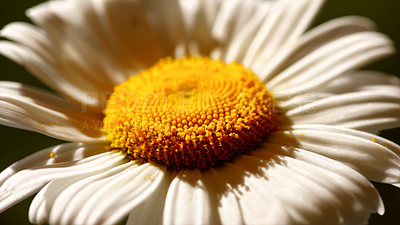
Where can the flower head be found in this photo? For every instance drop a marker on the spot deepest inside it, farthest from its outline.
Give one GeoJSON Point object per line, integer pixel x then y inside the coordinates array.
{"type": "Point", "coordinates": [207, 112]}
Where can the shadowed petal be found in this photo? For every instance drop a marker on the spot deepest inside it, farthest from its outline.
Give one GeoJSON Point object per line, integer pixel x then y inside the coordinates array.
{"type": "Point", "coordinates": [188, 201]}
{"type": "Point", "coordinates": [369, 110]}
{"type": "Point", "coordinates": [285, 23]}
{"type": "Point", "coordinates": [32, 109]}
{"type": "Point", "coordinates": [55, 154]}
{"type": "Point", "coordinates": [116, 39]}
{"type": "Point", "coordinates": [374, 157]}
{"type": "Point", "coordinates": [311, 41]}
{"type": "Point", "coordinates": [326, 63]}
{"type": "Point", "coordinates": [26, 182]}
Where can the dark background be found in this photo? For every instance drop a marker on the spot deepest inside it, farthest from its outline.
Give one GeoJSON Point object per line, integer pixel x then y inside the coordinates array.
{"type": "Point", "coordinates": [16, 144]}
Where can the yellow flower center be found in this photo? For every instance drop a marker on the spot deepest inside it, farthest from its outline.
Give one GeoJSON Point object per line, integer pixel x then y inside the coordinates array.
{"type": "Point", "coordinates": [189, 113]}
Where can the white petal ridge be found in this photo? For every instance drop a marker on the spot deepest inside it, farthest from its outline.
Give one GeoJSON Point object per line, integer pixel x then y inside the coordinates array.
{"type": "Point", "coordinates": [370, 110]}
{"type": "Point", "coordinates": [116, 39]}
{"type": "Point", "coordinates": [32, 109]}
{"type": "Point", "coordinates": [188, 201]}
{"type": "Point", "coordinates": [26, 182]}
{"type": "Point", "coordinates": [374, 157]}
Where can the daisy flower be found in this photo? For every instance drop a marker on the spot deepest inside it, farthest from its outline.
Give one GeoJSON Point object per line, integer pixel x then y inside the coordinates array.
{"type": "Point", "coordinates": [199, 112]}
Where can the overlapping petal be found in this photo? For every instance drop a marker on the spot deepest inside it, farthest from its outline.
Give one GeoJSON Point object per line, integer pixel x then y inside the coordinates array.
{"type": "Point", "coordinates": [369, 110]}
{"type": "Point", "coordinates": [374, 157]}
{"type": "Point", "coordinates": [19, 186]}
{"type": "Point", "coordinates": [32, 109]}
{"type": "Point", "coordinates": [112, 194]}
{"type": "Point", "coordinates": [271, 36]}
{"type": "Point", "coordinates": [116, 39]}
{"type": "Point", "coordinates": [243, 197]}
{"type": "Point", "coordinates": [55, 154]}
{"type": "Point", "coordinates": [350, 82]}
{"type": "Point", "coordinates": [346, 197]}
{"type": "Point", "coordinates": [188, 201]}
{"type": "Point", "coordinates": [325, 63]}
{"type": "Point", "coordinates": [311, 41]}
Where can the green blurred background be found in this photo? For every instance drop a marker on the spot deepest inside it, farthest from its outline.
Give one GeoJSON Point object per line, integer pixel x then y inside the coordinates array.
{"type": "Point", "coordinates": [16, 144]}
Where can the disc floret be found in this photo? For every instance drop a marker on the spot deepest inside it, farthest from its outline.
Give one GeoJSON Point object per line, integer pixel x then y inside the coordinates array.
{"type": "Point", "coordinates": [189, 113]}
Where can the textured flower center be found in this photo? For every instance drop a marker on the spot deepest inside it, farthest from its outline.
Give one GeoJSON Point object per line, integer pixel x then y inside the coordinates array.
{"type": "Point", "coordinates": [189, 113]}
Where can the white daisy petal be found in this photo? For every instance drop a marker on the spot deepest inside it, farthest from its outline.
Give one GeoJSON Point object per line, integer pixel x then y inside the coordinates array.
{"type": "Point", "coordinates": [188, 201]}
{"type": "Point", "coordinates": [111, 194]}
{"type": "Point", "coordinates": [31, 109]}
{"type": "Point", "coordinates": [199, 17]}
{"type": "Point", "coordinates": [21, 185]}
{"type": "Point", "coordinates": [121, 31]}
{"type": "Point", "coordinates": [151, 210]}
{"type": "Point", "coordinates": [167, 22]}
{"type": "Point", "coordinates": [374, 157]}
{"type": "Point", "coordinates": [115, 200]}
{"type": "Point", "coordinates": [221, 191]}
{"type": "Point", "coordinates": [110, 47]}
{"type": "Point", "coordinates": [299, 100]}
{"type": "Point", "coordinates": [371, 110]}
{"type": "Point", "coordinates": [105, 34]}
{"type": "Point", "coordinates": [355, 51]}
{"type": "Point", "coordinates": [43, 47]}
{"type": "Point", "coordinates": [361, 81]}
{"type": "Point", "coordinates": [231, 18]}
{"type": "Point", "coordinates": [311, 41]}
{"type": "Point", "coordinates": [253, 200]}
{"type": "Point", "coordinates": [38, 42]}
{"type": "Point", "coordinates": [49, 156]}
{"type": "Point", "coordinates": [240, 43]}
{"type": "Point", "coordinates": [355, 81]}
{"type": "Point", "coordinates": [44, 71]}
{"type": "Point", "coordinates": [294, 18]}
{"type": "Point", "coordinates": [39, 210]}
{"type": "Point", "coordinates": [303, 202]}
{"type": "Point", "coordinates": [346, 195]}
{"type": "Point", "coordinates": [64, 208]}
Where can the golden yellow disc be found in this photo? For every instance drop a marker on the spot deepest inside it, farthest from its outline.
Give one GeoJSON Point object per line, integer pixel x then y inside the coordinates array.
{"type": "Point", "coordinates": [189, 113]}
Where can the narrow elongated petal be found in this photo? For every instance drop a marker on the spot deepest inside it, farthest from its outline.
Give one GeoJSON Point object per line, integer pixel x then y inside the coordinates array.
{"type": "Point", "coordinates": [52, 155]}
{"type": "Point", "coordinates": [167, 22]}
{"type": "Point", "coordinates": [114, 201]}
{"type": "Point", "coordinates": [40, 208]}
{"type": "Point", "coordinates": [188, 201]}
{"type": "Point", "coordinates": [374, 157]}
{"type": "Point", "coordinates": [361, 81]}
{"type": "Point", "coordinates": [349, 198]}
{"type": "Point", "coordinates": [48, 50]}
{"type": "Point", "coordinates": [371, 110]}
{"type": "Point", "coordinates": [273, 186]}
{"type": "Point", "coordinates": [221, 191]}
{"type": "Point", "coordinates": [46, 72]}
{"type": "Point", "coordinates": [116, 39]}
{"type": "Point", "coordinates": [107, 197]}
{"type": "Point", "coordinates": [326, 62]}
{"type": "Point", "coordinates": [354, 81]}
{"type": "Point", "coordinates": [21, 185]}
{"type": "Point", "coordinates": [199, 17]}
{"type": "Point", "coordinates": [312, 40]}
{"type": "Point", "coordinates": [31, 109]}
{"type": "Point", "coordinates": [236, 49]}
{"type": "Point", "coordinates": [232, 17]}
{"type": "Point", "coordinates": [146, 211]}
{"type": "Point", "coordinates": [245, 194]}
{"type": "Point", "coordinates": [286, 22]}
{"type": "Point", "coordinates": [65, 206]}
